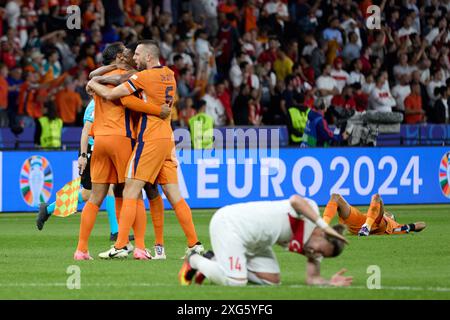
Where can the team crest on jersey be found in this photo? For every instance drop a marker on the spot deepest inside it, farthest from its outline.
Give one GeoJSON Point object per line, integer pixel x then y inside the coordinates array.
{"type": "Point", "coordinates": [36, 180]}
{"type": "Point", "coordinates": [444, 175]}
{"type": "Point", "coordinates": [298, 231]}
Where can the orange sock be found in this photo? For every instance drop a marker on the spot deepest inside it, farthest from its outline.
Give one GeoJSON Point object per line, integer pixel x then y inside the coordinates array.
{"type": "Point", "coordinates": [157, 213]}
{"type": "Point", "coordinates": [119, 202]}
{"type": "Point", "coordinates": [140, 225]}
{"type": "Point", "coordinates": [127, 217]}
{"type": "Point", "coordinates": [373, 213]}
{"type": "Point", "coordinates": [88, 216]}
{"type": "Point", "coordinates": [184, 216]}
{"type": "Point", "coordinates": [330, 211]}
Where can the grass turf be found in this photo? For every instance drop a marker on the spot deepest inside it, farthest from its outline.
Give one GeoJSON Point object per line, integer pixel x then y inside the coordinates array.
{"type": "Point", "coordinates": [33, 264]}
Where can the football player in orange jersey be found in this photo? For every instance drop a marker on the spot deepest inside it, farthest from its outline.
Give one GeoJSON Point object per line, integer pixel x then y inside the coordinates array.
{"type": "Point", "coordinates": [153, 158]}
{"type": "Point", "coordinates": [377, 221]}
{"type": "Point", "coordinates": [113, 137]}
{"type": "Point", "coordinates": [156, 203]}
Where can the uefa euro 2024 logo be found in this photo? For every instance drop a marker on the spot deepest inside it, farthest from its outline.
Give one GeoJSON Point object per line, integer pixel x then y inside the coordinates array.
{"type": "Point", "coordinates": [444, 174]}
{"type": "Point", "coordinates": [36, 180]}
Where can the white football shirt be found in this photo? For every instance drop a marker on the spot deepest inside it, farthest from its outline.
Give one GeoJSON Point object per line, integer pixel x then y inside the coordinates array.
{"type": "Point", "coordinates": [261, 224]}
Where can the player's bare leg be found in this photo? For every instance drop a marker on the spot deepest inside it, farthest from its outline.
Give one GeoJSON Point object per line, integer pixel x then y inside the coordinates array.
{"type": "Point", "coordinates": [337, 204]}
{"type": "Point", "coordinates": [132, 193]}
{"type": "Point", "coordinates": [157, 214]}
{"type": "Point", "coordinates": [85, 194]}
{"type": "Point", "coordinates": [132, 215]}
{"type": "Point", "coordinates": [88, 217]}
{"type": "Point", "coordinates": [118, 198]}
{"type": "Point", "coordinates": [184, 216]}
{"type": "Point", "coordinates": [374, 215]}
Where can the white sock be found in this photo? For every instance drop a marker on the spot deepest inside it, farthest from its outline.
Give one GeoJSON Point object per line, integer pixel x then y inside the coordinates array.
{"type": "Point", "coordinates": [366, 225]}
{"type": "Point", "coordinates": [212, 271]}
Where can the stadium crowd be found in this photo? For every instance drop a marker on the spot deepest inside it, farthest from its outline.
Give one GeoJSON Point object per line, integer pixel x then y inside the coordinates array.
{"type": "Point", "coordinates": [249, 60]}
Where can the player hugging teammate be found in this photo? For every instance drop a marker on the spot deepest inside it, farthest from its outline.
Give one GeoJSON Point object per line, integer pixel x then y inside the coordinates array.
{"type": "Point", "coordinates": [134, 155]}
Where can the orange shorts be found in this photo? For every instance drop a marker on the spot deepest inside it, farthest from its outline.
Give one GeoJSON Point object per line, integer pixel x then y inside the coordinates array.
{"type": "Point", "coordinates": [154, 161]}
{"type": "Point", "coordinates": [356, 219]}
{"type": "Point", "coordinates": [109, 160]}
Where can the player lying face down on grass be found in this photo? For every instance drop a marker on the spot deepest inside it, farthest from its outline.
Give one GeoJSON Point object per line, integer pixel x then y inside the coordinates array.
{"type": "Point", "coordinates": [377, 221]}
{"type": "Point", "coordinates": [242, 236]}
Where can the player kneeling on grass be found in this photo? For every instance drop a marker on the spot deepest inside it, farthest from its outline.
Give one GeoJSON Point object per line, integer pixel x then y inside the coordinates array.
{"type": "Point", "coordinates": [377, 221]}
{"type": "Point", "coordinates": [242, 236]}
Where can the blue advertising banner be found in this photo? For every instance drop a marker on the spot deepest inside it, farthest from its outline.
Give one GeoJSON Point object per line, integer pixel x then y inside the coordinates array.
{"type": "Point", "coordinates": [210, 180]}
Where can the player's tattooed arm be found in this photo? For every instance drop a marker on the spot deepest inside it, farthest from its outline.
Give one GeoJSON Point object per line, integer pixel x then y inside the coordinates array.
{"type": "Point", "coordinates": [106, 92]}
{"type": "Point", "coordinates": [102, 70]}
{"type": "Point", "coordinates": [136, 104]}
{"type": "Point", "coordinates": [114, 79]}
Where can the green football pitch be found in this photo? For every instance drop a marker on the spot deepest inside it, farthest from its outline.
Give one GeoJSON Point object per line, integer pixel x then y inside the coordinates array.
{"type": "Point", "coordinates": [34, 264]}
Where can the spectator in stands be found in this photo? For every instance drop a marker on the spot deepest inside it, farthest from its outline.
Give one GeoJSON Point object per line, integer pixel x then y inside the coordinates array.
{"type": "Point", "coordinates": [228, 40]}
{"type": "Point", "coordinates": [326, 85]}
{"type": "Point", "coordinates": [306, 71]}
{"type": "Point", "coordinates": [403, 67]}
{"type": "Point", "coordinates": [333, 32]}
{"type": "Point", "coordinates": [365, 60]}
{"type": "Point", "coordinates": [187, 112]}
{"type": "Point", "coordinates": [240, 106]}
{"type": "Point", "coordinates": [68, 103]}
{"type": "Point", "coordinates": [437, 81]}
{"type": "Point", "coordinates": [318, 58]}
{"type": "Point", "coordinates": [345, 100]}
{"type": "Point", "coordinates": [282, 65]}
{"type": "Point", "coordinates": [351, 49]}
{"type": "Point", "coordinates": [37, 63]}
{"type": "Point", "coordinates": [223, 94]}
{"type": "Point", "coordinates": [380, 98]}
{"type": "Point", "coordinates": [270, 55]}
{"type": "Point", "coordinates": [378, 47]}
{"type": "Point", "coordinates": [441, 106]}
{"type": "Point", "coordinates": [183, 85]}
{"type": "Point", "coordinates": [254, 108]}
{"type": "Point", "coordinates": [414, 112]}
{"type": "Point", "coordinates": [7, 54]}
{"type": "Point", "coordinates": [30, 102]}
{"type": "Point", "coordinates": [356, 75]}
{"type": "Point", "coordinates": [178, 65]}
{"type": "Point", "coordinates": [287, 98]}
{"type": "Point", "coordinates": [214, 107]}
{"type": "Point", "coordinates": [48, 128]}
{"type": "Point", "coordinates": [339, 75]}
{"type": "Point", "coordinates": [361, 98]}
{"type": "Point", "coordinates": [4, 88]}
{"type": "Point", "coordinates": [13, 13]}
{"type": "Point", "coordinates": [276, 14]}
{"type": "Point", "coordinates": [401, 91]}
{"type": "Point", "coordinates": [14, 82]}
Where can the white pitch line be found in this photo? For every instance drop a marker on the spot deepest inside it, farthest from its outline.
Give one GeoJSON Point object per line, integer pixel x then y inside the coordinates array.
{"type": "Point", "coordinates": [57, 284]}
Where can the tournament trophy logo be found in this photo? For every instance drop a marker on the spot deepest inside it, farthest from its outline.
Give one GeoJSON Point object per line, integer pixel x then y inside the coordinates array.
{"type": "Point", "coordinates": [36, 180]}
{"type": "Point", "coordinates": [444, 175]}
